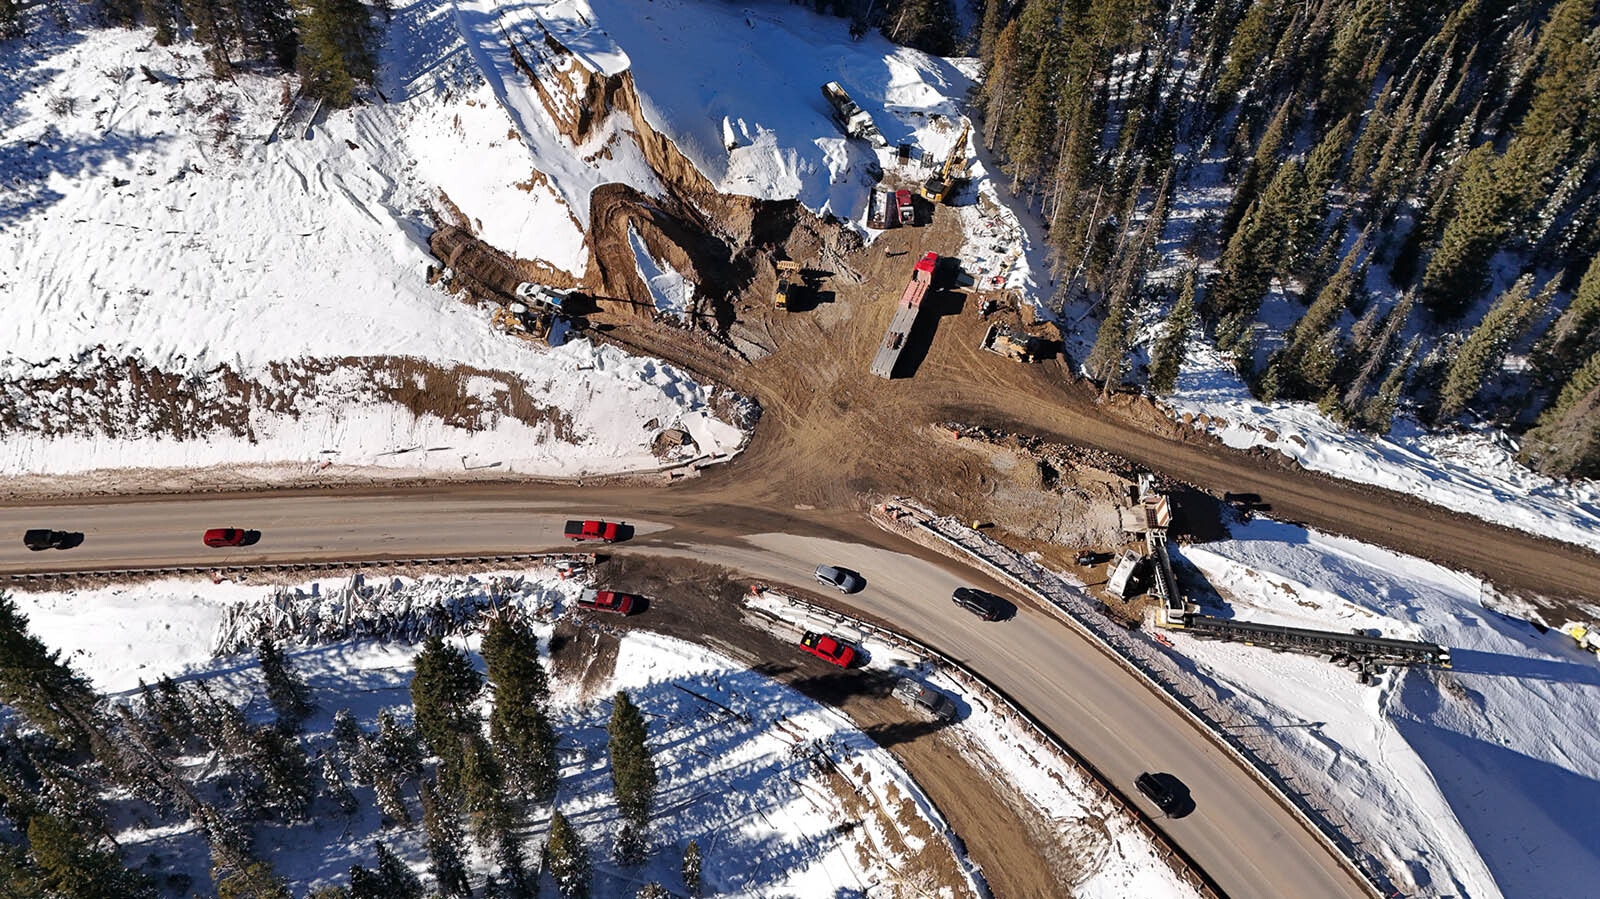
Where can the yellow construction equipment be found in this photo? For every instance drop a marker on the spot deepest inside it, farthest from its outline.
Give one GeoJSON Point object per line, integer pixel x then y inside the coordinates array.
{"type": "Point", "coordinates": [788, 281]}
{"type": "Point", "coordinates": [951, 173]}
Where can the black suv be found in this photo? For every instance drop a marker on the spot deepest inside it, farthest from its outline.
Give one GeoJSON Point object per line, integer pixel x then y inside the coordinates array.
{"type": "Point", "coordinates": [42, 538]}
{"type": "Point", "coordinates": [984, 605]}
{"type": "Point", "coordinates": [1158, 792]}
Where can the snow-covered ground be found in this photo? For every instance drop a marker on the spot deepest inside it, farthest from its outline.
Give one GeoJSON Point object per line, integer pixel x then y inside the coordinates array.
{"type": "Point", "coordinates": [145, 219]}
{"type": "Point", "coordinates": [738, 779]}
{"type": "Point", "coordinates": [1478, 781]}
{"type": "Point", "coordinates": [1475, 473]}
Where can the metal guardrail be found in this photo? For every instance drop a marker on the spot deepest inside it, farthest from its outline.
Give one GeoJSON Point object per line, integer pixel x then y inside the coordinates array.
{"type": "Point", "coordinates": [426, 561]}
{"type": "Point", "coordinates": [1144, 660]}
{"type": "Point", "coordinates": [1182, 864]}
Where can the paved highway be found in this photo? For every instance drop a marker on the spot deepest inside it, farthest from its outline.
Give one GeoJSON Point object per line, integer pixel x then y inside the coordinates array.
{"type": "Point", "coordinates": [1243, 838]}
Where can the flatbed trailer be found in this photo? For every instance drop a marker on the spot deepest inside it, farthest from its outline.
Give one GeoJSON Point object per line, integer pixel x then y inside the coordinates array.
{"type": "Point", "coordinates": [905, 317]}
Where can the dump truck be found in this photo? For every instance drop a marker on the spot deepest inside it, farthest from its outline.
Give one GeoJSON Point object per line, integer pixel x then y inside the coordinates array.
{"type": "Point", "coordinates": [850, 117]}
{"type": "Point", "coordinates": [788, 283]}
{"type": "Point", "coordinates": [1020, 347]}
{"type": "Point", "coordinates": [881, 210]}
{"type": "Point", "coordinates": [950, 175]}
{"type": "Point", "coordinates": [903, 207]}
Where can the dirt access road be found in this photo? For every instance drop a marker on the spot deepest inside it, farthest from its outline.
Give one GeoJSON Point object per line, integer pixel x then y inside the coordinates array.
{"type": "Point", "coordinates": [832, 435]}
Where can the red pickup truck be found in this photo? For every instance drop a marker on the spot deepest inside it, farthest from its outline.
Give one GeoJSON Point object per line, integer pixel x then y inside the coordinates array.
{"type": "Point", "coordinates": [605, 531]}
{"type": "Point", "coordinates": [608, 601]}
{"type": "Point", "coordinates": [829, 648]}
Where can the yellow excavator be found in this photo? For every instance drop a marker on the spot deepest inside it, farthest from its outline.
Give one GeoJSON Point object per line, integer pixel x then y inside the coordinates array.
{"type": "Point", "coordinates": [952, 173]}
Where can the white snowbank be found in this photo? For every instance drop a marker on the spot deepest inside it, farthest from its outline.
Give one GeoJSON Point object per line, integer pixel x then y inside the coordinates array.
{"type": "Point", "coordinates": [1477, 781]}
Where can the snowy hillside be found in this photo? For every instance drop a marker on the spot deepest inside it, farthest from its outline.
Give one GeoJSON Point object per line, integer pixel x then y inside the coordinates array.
{"type": "Point", "coordinates": [1475, 781]}
{"type": "Point", "coordinates": [737, 751]}
{"type": "Point", "coordinates": [185, 294]}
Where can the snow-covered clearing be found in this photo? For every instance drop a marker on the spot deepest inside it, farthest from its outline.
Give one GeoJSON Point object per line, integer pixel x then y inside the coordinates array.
{"type": "Point", "coordinates": [1475, 473]}
{"type": "Point", "coordinates": [745, 781]}
{"type": "Point", "coordinates": [146, 223]}
{"type": "Point", "coordinates": [1478, 781]}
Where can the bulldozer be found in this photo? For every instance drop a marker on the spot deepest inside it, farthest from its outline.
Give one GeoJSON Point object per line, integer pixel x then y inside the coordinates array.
{"type": "Point", "coordinates": [952, 173]}
{"type": "Point", "coordinates": [788, 283]}
{"type": "Point", "coordinates": [1020, 347]}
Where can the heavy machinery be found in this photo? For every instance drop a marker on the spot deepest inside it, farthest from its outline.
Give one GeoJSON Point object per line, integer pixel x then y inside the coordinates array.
{"type": "Point", "coordinates": [788, 283]}
{"type": "Point", "coordinates": [530, 317]}
{"type": "Point", "coordinates": [851, 117]}
{"type": "Point", "coordinates": [952, 173]}
{"type": "Point", "coordinates": [1587, 635]}
{"type": "Point", "coordinates": [1020, 347]}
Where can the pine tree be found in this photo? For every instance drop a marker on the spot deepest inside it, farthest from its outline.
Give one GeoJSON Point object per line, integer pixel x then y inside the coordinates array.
{"type": "Point", "coordinates": [444, 846]}
{"type": "Point", "coordinates": [691, 868]}
{"type": "Point", "coordinates": [10, 19]}
{"type": "Point", "coordinates": [255, 880]}
{"type": "Point", "coordinates": [391, 799]}
{"type": "Point", "coordinates": [519, 722]}
{"type": "Point", "coordinates": [633, 771]}
{"type": "Point", "coordinates": [285, 689]}
{"type": "Point", "coordinates": [285, 773]}
{"type": "Point", "coordinates": [1566, 439]}
{"type": "Point", "coordinates": [1108, 358]}
{"type": "Point", "coordinates": [653, 890]}
{"type": "Point", "coordinates": [34, 681]}
{"type": "Point", "coordinates": [443, 689]}
{"type": "Point", "coordinates": [1575, 334]}
{"type": "Point", "coordinates": [567, 859]}
{"type": "Point", "coordinates": [397, 748]}
{"type": "Point", "coordinates": [399, 881]}
{"type": "Point", "coordinates": [337, 791]}
{"type": "Point", "coordinates": [1166, 357]}
{"type": "Point", "coordinates": [474, 778]}
{"type": "Point", "coordinates": [329, 892]}
{"type": "Point", "coordinates": [1377, 413]}
{"type": "Point", "coordinates": [1486, 346]}
{"type": "Point", "coordinates": [335, 54]}
{"type": "Point", "coordinates": [69, 864]}
{"type": "Point", "coordinates": [1458, 269]}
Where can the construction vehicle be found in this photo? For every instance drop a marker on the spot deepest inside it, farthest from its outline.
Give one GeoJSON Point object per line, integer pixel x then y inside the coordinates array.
{"type": "Point", "coordinates": [1587, 635]}
{"type": "Point", "coordinates": [1022, 348]}
{"type": "Point", "coordinates": [952, 174]}
{"type": "Point", "coordinates": [881, 213]}
{"type": "Point", "coordinates": [905, 316]}
{"type": "Point", "coordinates": [788, 283]}
{"type": "Point", "coordinates": [851, 117]}
{"type": "Point", "coordinates": [903, 208]}
{"type": "Point", "coordinates": [532, 314]}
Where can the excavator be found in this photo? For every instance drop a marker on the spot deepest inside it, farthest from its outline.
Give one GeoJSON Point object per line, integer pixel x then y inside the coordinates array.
{"type": "Point", "coordinates": [952, 173]}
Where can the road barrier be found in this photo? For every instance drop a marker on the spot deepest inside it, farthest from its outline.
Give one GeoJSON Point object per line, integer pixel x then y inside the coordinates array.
{"type": "Point", "coordinates": [1141, 656]}
{"type": "Point", "coordinates": [45, 577]}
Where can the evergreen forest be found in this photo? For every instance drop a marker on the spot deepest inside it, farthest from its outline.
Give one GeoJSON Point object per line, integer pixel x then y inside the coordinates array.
{"type": "Point", "coordinates": [1374, 206]}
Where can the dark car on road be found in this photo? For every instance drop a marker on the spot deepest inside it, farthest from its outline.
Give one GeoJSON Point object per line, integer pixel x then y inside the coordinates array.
{"type": "Point", "coordinates": [224, 537]}
{"type": "Point", "coordinates": [842, 579]}
{"type": "Point", "coordinates": [980, 603]}
{"type": "Point", "coordinates": [1157, 789]}
{"type": "Point", "coordinates": [38, 539]}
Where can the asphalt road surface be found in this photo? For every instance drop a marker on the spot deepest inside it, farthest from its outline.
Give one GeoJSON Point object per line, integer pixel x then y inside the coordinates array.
{"type": "Point", "coordinates": [1239, 834]}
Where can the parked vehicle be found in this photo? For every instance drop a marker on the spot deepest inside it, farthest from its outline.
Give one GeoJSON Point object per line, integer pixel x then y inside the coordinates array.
{"type": "Point", "coordinates": [905, 211]}
{"type": "Point", "coordinates": [980, 603]}
{"type": "Point", "coordinates": [38, 539]}
{"type": "Point", "coordinates": [828, 648]}
{"type": "Point", "coordinates": [925, 699]}
{"type": "Point", "coordinates": [592, 529]}
{"type": "Point", "coordinates": [1158, 791]}
{"type": "Point", "coordinates": [224, 537]}
{"type": "Point", "coordinates": [842, 579]}
{"type": "Point", "coordinates": [609, 601]}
